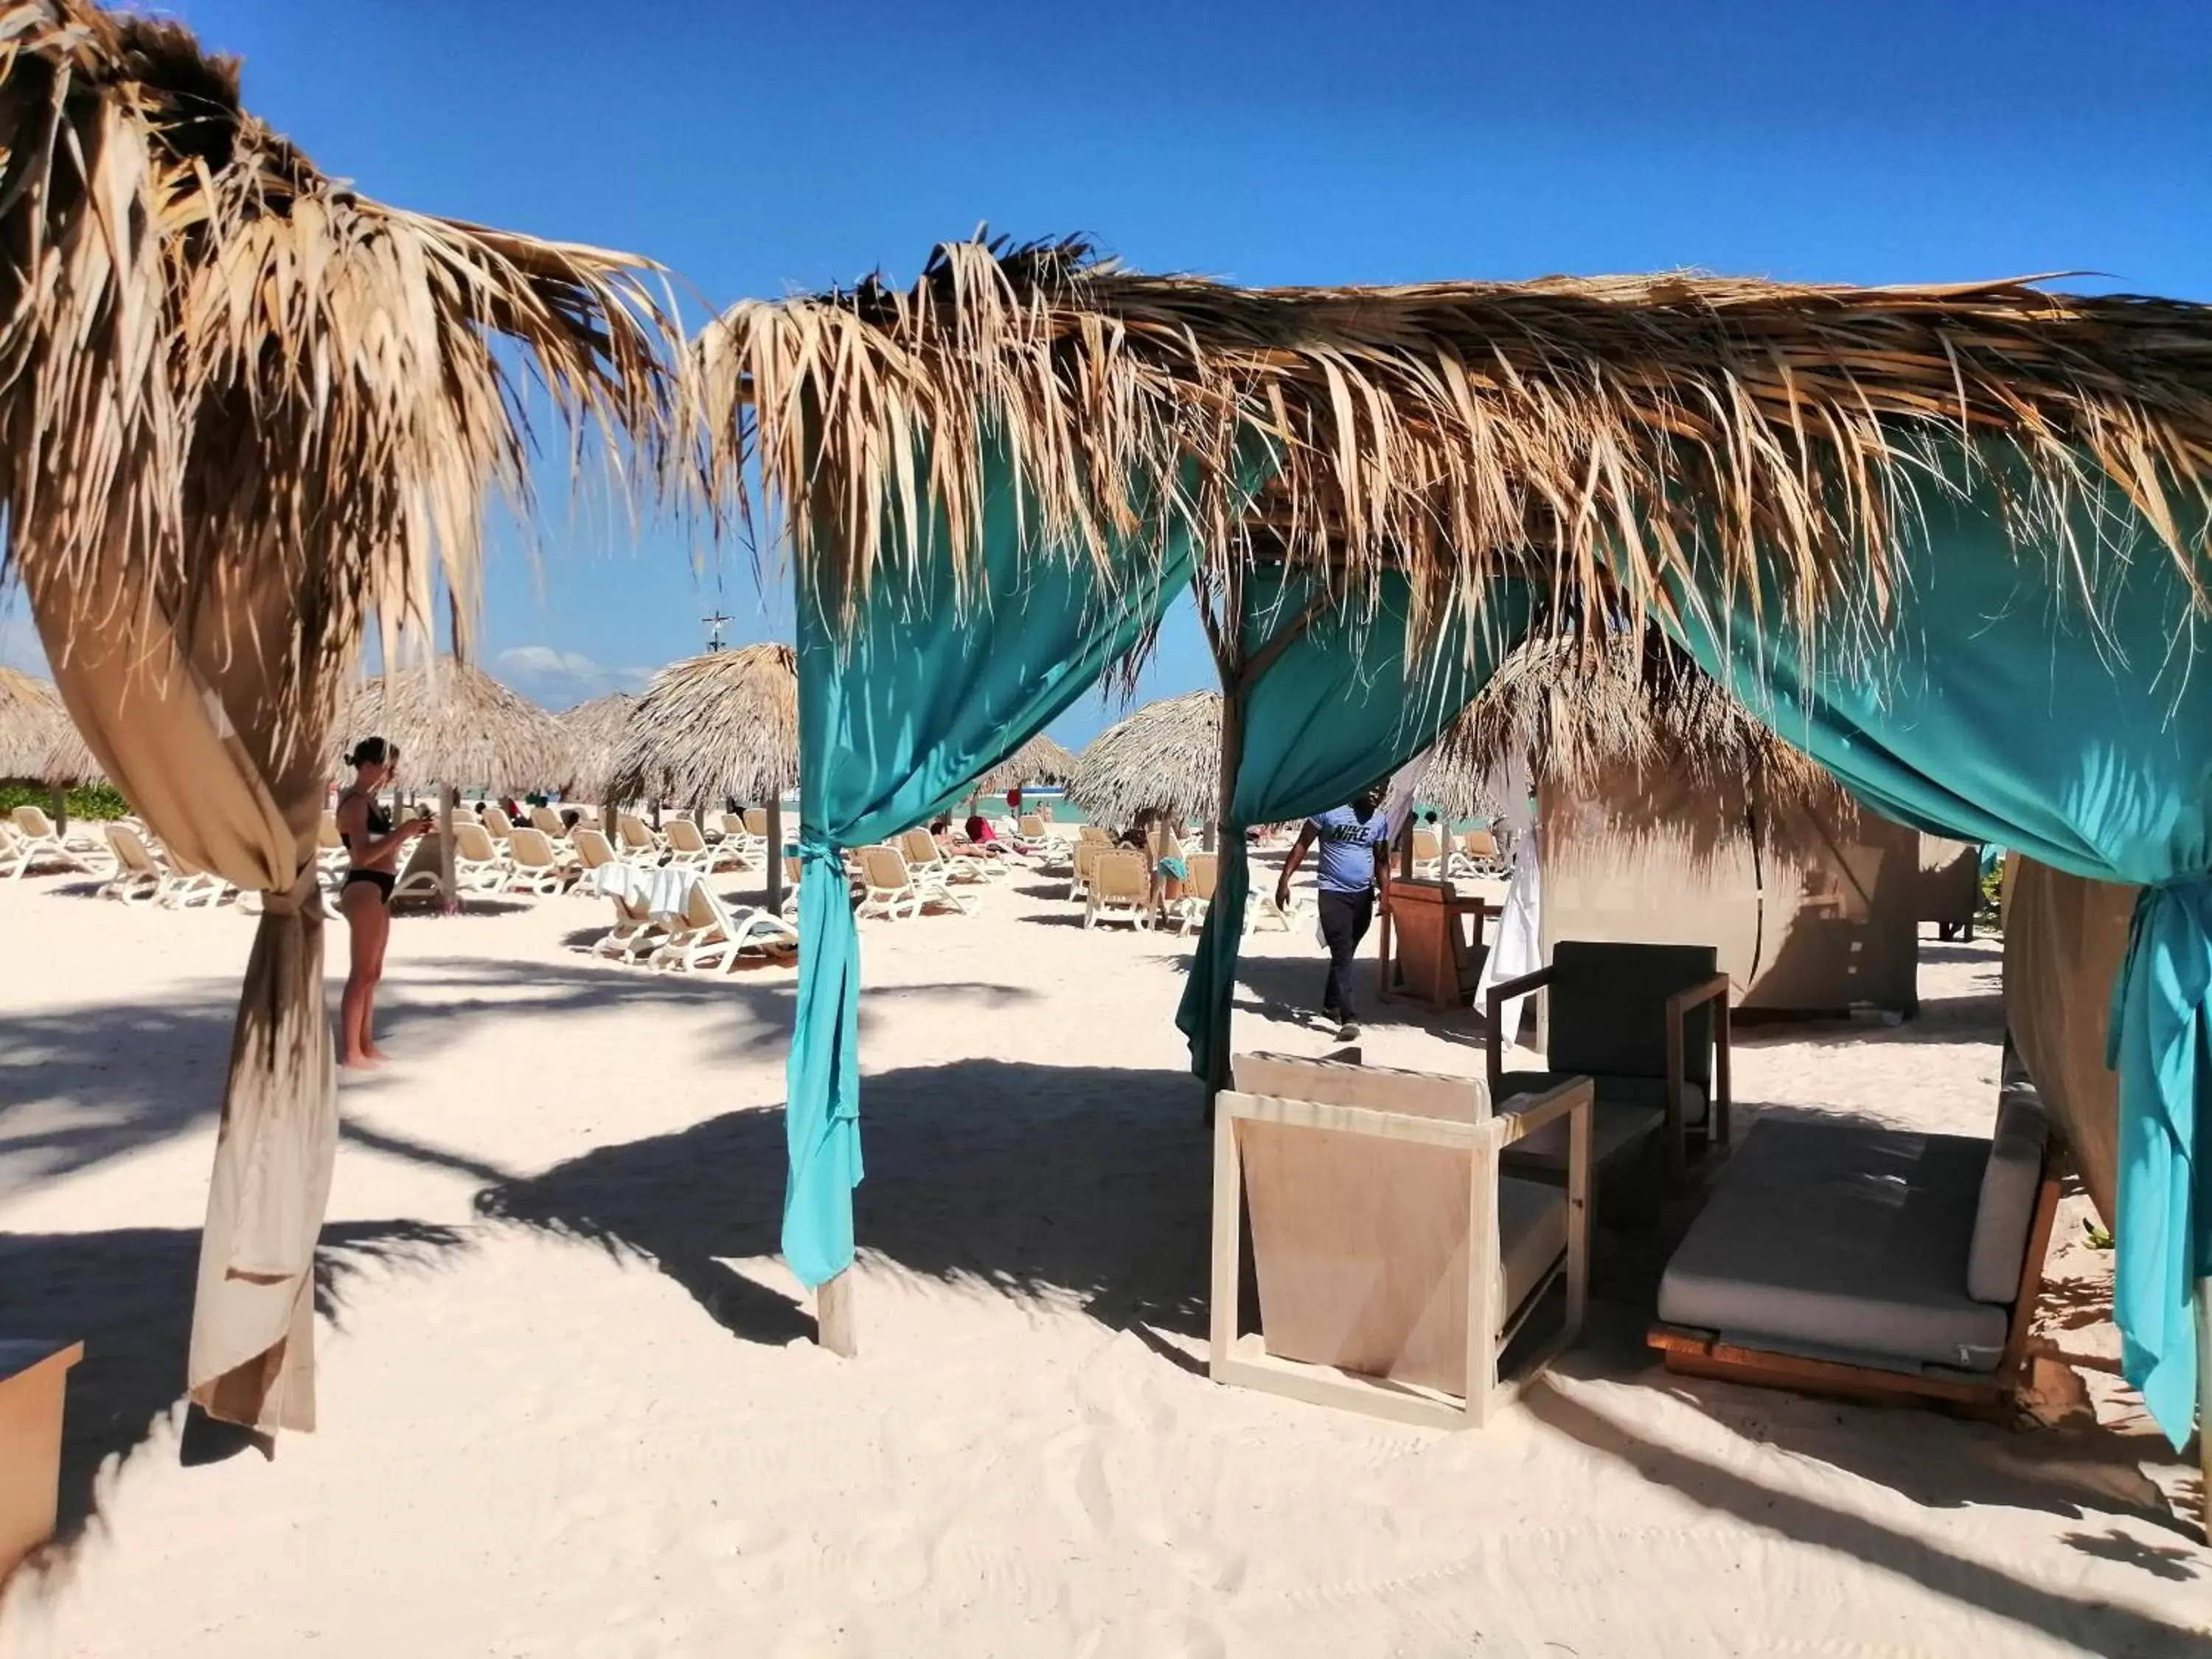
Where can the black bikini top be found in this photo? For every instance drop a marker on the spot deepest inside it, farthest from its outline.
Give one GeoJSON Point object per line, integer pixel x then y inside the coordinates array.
{"type": "Point", "coordinates": [378, 822]}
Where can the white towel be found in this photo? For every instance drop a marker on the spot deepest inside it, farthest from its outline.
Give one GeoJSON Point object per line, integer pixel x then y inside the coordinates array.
{"type": "Point", "coordinates": [1517, 947]}
{"type": "Point", "coordinates": [670, 887]}
{"type": "Point", "coordinates": [627, 882]}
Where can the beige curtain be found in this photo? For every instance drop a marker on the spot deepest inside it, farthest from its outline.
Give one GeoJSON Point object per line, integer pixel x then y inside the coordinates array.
{"type": "Point", "coordinates": [2063, 939]}
{"type": "Point", "coordinates": [190, 735]}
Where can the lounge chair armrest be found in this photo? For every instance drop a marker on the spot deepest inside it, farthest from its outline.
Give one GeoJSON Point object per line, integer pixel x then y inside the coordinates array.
{"type": "Point", "coordinates": [1714, 990]}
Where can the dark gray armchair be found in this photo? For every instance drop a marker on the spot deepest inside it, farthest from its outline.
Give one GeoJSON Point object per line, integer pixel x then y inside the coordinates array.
{"type": "Point", "coordinates": [1648, 1026]}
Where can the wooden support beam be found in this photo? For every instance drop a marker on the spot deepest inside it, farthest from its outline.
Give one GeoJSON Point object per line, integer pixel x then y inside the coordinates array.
{"type": "Point", "coordinates": [837, 1320]}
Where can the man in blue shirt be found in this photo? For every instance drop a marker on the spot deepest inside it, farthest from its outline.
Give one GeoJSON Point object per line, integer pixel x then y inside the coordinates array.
{"type": "Point", "coordinates": [1355, 845]}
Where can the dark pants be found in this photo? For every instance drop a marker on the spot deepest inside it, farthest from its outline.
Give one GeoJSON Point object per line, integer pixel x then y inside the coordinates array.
{"type": "Point", "coordinates": [1344, 919]}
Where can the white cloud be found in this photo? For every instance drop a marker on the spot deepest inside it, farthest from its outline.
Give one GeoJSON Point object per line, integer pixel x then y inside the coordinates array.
{"type": "Point", "coordinates": [569, 670]}
{"type": "Point", "coordinates": [635, 679]}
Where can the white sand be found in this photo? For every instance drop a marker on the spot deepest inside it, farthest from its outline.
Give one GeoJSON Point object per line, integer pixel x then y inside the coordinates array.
{"type": "Point", "coordinates": [569, 1404]}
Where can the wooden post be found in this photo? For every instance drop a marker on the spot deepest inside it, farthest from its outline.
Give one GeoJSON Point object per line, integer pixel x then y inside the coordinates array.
{"type": "Point", "coordinates": [1235, 846]}
{"type": "Point", "coordinates": [835, 1321]}
{"type": "Point", "coordinates": [2204, 1401]}
{"type": "Point", "coordinates": [774, 852]}
{"type": "Point", "coordinates": [61, 809]}
{"type": "Point", "coordinates": [447, 796]}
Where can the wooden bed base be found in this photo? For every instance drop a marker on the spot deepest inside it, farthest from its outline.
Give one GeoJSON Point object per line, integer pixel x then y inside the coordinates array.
{"type": "Point", "coordinates": [1702, 1353]}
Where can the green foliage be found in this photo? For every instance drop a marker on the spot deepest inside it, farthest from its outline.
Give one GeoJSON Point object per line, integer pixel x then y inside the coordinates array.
{"type": "Point", "coordinates": [87, 800]}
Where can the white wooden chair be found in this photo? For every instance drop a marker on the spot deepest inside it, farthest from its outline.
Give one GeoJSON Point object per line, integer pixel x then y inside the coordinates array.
{"type": "Point", "coordinates": [1397, 1261]}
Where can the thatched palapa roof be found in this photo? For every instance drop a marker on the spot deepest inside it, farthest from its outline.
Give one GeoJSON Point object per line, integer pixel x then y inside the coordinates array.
{"type": "Point", "coordinates": [231, 374]}
{"type": "Point", "coordinates": [1038, 761]}
{"type": "Point", "coordinates": [456, 725]}
{"type": "Point", "coordinates": [1167, 754]}
{"type": "Point", "coordinates": [39, 742]}
{"type": "Point", "coordinates": [1576, 429]}
{"type": "Point", "coordinates": [1580, 710]}
{"type": "Point", "coordinates": [726, 723]}
{"type": "Point", "coordinates": [596, 730]}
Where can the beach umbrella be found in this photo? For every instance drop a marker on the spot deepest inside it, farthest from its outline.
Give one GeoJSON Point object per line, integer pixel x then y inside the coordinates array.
{"type": "Point", "coordinates": [596, 730]}
{"type": "Point", "coordinates": [1166, 755]}
{"type": "Point", "coordinates": [39, 742]}
{"type": "Point", "coordinates": [722, 724]}
{"type": "Point", "coordinates": [456, 726]}
{"type": "Point", "coordinates": [1038, 761]}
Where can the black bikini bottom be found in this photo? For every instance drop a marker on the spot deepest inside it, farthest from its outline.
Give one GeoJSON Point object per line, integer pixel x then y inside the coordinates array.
{"type": "Point", "coordinates": [382, 880]}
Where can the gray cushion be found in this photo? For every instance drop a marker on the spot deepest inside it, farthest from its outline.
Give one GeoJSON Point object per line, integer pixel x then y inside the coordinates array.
{"type": "Point", "coordinates": [2010, 1177]}
{"type": "Point", "coordinates": [1840, 1237]}
{"type": "Point", "coordinates": [1532, 1235]}
{"type": "Point", "coordinates": [1608, 1006]}
{"type": "Point", "coordinates": [1626, 1110]}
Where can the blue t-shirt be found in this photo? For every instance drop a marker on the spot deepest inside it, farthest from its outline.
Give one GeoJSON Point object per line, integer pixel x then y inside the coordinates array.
{"type": "Point", "coordinates": [1347, 848]}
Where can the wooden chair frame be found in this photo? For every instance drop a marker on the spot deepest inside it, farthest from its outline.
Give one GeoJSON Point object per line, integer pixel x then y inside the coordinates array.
{"type": "Point", "coordinates": [1243, 1361]}
{"type": "Point", "coordinates": [1676, 1131]}
{"type": "Point", "coordinates": [1695, 1352]}
{"type": "Point", "coordinates": [1440, 955]}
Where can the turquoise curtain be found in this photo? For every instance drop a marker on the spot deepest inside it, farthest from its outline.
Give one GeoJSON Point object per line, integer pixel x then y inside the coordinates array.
{"type": "Point", "coordinates": [897, 718]}
{"type": "Point", "coordinates": [2046, 698]}
{"type": "Point", "coordinates": [1340, 707]}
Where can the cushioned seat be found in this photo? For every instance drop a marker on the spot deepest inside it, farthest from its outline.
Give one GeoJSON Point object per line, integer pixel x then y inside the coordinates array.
{"type": "Point", "coordinates": [1532, 1236]}
{"type": "Point", "coordinates": [1830, 1238]}
{"type": "Point", "coordinates": [1626, 1110]}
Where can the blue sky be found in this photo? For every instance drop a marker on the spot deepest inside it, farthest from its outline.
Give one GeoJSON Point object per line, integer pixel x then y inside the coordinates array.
{"type": "Point", "coordinates": [757, 150]}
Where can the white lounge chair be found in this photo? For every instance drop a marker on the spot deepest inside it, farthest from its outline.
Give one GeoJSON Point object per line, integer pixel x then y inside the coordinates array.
{"type": "Point", "coordinates": [138, 878]}
{"type": "Point", "coordinates": [479, 866]}
{"type": "Point", "coordinates": [929, 861]}
{"type": "Point", "coordinates": [635, 840]}
{"type": "Point", "coordinates": [496, 824]}
{"type": "Point", "coordinates": [533, 867]}
{"type": "Point", "coordinates": [15, 852]}
{"type": "Point", "coordinates": [636, 932]}
{"type": "Point", "coordinates": [42, 843]}
{"type": "Point", "coordinates": [419, 877]}
{"type": "Point", "coordinates": [1428, 854]}
{"type": "Point", "coordinates": [188, 887]}
{"type": "Point", "coordinates": [547, 822]}
{"type": "Point", "coordinates": [890, 889]}
{"type": "Point", "coordinates": [1121, 890]}
{"type": "Point", "coordinates": [689, 847]}
{"type": "Point", "coordinates": [592, 851]}
{"type": "Point", "coordinates": [715, 935]}
{"type": "Point", "coordinates": [1188, 913]}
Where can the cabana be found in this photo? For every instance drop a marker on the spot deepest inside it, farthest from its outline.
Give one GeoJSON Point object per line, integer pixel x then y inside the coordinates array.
{"type": "Point", "coordinates": [250, 411]}
{"type": "Point", "coordinates": [459, 727]}
{"type": "Point", "coordinates": [1668, 814]}
{"type": "Point", "coordinates": [721, 724]}
{"type": "Point", "coordinates": [996, 480]}
{"type": "Point", "coordinates": [1166, 754]}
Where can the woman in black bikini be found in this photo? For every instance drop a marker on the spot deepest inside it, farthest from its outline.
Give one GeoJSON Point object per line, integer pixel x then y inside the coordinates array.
{"type": "Point", "coordinates": [374, 846]}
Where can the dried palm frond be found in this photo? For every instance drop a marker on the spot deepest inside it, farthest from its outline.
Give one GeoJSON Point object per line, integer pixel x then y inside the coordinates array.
{"type": "Point", "coordinates": [39, 742]}
{"type": "Point", "coordinates": [1582, 710]}
{"type": "Point", "coordinates": [1585, 431]}
{"type": "Point", "coordinates": [224, 375]}
{"type": "Point", "coordinates": [1166, 755]}
{"type": "Point", "coordinates": [723, 724]}
{"type": "Point", "coordinates": [1038, 761]}
{"type": "Point", "coordinates": [596, 730]}
{"type": "Point", "coordinates": [456, 725]}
